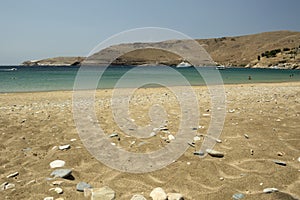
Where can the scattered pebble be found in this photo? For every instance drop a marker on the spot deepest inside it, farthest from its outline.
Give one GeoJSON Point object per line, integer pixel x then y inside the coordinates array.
{"type": "Point", "coordinates": [57, 182]}
{"type": "Point", "coordinates": [64, 147]}
{"type": "Point", "coordinates": [278, 162]}
{"type": "Point", "coordinates": [81, 185]}
{"type": "Point", "coordinates": [138, 197]}
{"type": "Point", "coordinates": [158, 194]}
{"type": "Point", "coordinates": [62, 173]}
{"type": "Point", "coordinates": [238, 196]}
{"type": "Point", "coordinates": [113, 135]}
{"type": "Point", "coordinates": [104, 193]}
{"type": "Point", "coordinates": [280, 153]}
{"type": "Point", "coordinates": [197, 138]}
{"type": "Point", "coordinates": [171, 137]}
{"type": "Point", "coordinates": [6, 186]}
{"type": "Point", "coordinates": [73, 140]}
{"type": "Point", "coordinates": [251, 152]}
{"type": "Point", "coordinates": [12, 175]}
{"type": "Point", "coordinates": [231, 110]}
{"type": "Point", "coordinates": [221, 178]}
{"type": "Point", "coordinates": [3, 186]}
{"type": "Point", "coordinates": [188, 163]}
{"type": "Point", "coordinates": [270, 190]}
{"type": "Point", "coordinates": [57, 163]}
{"type": "Point", "coordinates": [152, 134]}
{"type": "Point", "coordinates": [214, 153]}
{"type": "Point", "coordinates": [191, 144]}
{"type": "Point", "coordinates": [49, 198]}
{"type": "Point", "coordinates": [199, 153]}
{"type": "Point", "coordinates": [58, 190]}
{"type": "Point", "coordinates": [246, 136]}
{"type": "Point", "coordinates": [299, 159]}
{"type": "Point", "coordinates": [175, 196]}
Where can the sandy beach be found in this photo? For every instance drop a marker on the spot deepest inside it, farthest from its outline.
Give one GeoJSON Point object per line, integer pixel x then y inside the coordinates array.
{"type": "Point", "coordinates": [261, 125]}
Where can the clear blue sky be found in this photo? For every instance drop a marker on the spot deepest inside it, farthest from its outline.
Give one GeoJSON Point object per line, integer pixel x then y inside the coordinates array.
{"type": "Point", "coordinates": [35, 29]}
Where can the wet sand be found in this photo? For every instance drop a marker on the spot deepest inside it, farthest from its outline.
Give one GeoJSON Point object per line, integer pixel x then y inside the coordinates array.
{"type": "Point", "coordinates": [32, 124]}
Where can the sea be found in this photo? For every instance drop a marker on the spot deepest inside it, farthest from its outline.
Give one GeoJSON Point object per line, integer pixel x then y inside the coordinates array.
{"type": "Point", "coordinates": [54, 78]}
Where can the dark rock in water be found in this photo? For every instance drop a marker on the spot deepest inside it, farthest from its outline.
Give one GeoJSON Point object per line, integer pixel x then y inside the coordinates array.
{"type": "Point", "coordinates": [278, 162]}
{"type": "Point", "coordinates": [238, 196]}
{"type": "Point", "coordinates": [214, 153]}
{"type": "Point", "coordinates": [81, 185]}
{"type": "Point", "coordinates": [62, 173]}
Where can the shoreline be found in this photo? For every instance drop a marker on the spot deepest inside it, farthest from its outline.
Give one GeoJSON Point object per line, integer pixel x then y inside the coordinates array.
{"type": "Point", "coordinates": [193, 86]}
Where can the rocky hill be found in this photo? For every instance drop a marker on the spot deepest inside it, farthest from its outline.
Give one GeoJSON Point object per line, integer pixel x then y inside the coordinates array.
{"type": "Point", "coordinates": [279, 49]}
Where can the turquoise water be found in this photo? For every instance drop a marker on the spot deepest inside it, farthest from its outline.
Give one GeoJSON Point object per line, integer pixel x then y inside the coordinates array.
{"type": "Point", "coordinates": [49, 78]}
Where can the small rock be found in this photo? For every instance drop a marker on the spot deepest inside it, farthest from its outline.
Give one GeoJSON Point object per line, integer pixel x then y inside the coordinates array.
{"type": "Point", "coordinates": [238, 196]}
{"type": "Point", "coordinates": [113, 135]}
{"type": "Point", "coordinates": [64, 147]}
{"type": "Point", "coordinates": [171, 137]}
{"type": "Point", "coordinates": [175, 196]}
{"type": "Point", "coordinates": [251, 152]}
{"type": "Point", "coordinates": [197, 138]}
{"type": "Point", "coordinates": [58, 190]}
{"type": "Point", "coordinates": [3, 186]}
{"type": "Point", "coordinates": [299, 159]}
{"type": "Point", "coordinates": [221, 178]}
{"type": "Point", "coordinates": [188, 163]}
{"type": "Point", "coordinates": [152, 134]}
{"type": "Point", "coordinates": [49, 198]}
{"type": "Point", "coordinates": [158, 194]}
{"type": "Point", "coordinates": [57, 163]}
{"type": "Point", "coordinates": [270, 190]}
{"type": "Point", "coordinates": [199, 153]}
{"type": "Point", "coordinates": [280, 153]}
{"type": "Point", "coordinates": [73, 140]}
{"type": "Point", "coordinates": [104, 193]}
{"type": "Point", "coordinates": [191, 144]}
{"type": "Point", "coordinates": [246, 136]}
{"type": "Point", "coordinates": [9, 186]}
{"type": "Point", "coordinates": [57, 182]}
{"type": "Point", "coordinates": [62, 173]}
{"type": "Point", "coordinates": [218, 141]}
{"type": "Point", "coordinates": [138, 197]}
{"type": "Point", "coordinates": [12, 175]}
{"type": "Point", "coordinates": [278, 162]}
{"type": "Point", "coordinates": [81, 185]}
{"type": "Point", "coordinates": [231, 110]}
{"type": "Point", "coordinates": [214, 153]}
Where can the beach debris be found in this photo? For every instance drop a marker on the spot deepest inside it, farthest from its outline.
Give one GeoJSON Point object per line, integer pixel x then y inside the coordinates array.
{"type": "Point", "coordinates": [175, 196]}
{"type": "Point", "coordinates": [113, 135]}
{"type": "Point", "coordinates": [58, 190]}
{"type": "Point", "coordinates": [49, 198]}
{"type": "Point", "coordinates": [199, 153]}
{"type": "Point", "coordinates": [214, 153]}
{"type": "Point", "coordinates": [64, 147]}
{"type": "Point", "coordinates": [12, 175]}
{"type": "Point", "coordinates": [57, 163]}
{"type": "Point", "coordinates": [138, 197]}
{"type": "Point", "coordinates": [171, 137]}
{"type": "Point", "coordinates": [81, 185]}
{"type": "Point", "coordinates": [158, 194]}
{"type": "Point", "coordinates": [270, 190]}
{"type": "Point", "coordinates": [104, 193]}
{"type": "Point", "coordinates": [61, 173]}
{"type": "Point", "coordinates": [246, 136]}
{"type": "Point", "coordinates": [238, 196]}
{"type": "Point", "coordinates": [279, 162]}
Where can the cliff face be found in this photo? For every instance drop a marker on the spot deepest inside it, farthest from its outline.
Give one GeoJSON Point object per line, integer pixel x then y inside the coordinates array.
{"type": "Point", "coordinates": [280, 49]}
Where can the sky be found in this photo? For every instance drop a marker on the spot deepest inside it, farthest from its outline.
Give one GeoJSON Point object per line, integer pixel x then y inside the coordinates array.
{"type": "Point", "coordinates": [37, 29]}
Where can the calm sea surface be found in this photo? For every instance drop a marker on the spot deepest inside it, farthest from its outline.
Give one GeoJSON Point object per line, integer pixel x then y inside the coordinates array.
{"type": "Point", "coordinates": [49, 78]}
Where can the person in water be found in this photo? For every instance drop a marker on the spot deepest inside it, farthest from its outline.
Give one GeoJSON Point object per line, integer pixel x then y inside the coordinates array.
{"type": "Point", "coordinates": [249, 77]}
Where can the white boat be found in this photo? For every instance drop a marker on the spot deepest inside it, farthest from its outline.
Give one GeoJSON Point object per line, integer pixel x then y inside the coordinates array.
{"type": "Point", "coordinates": [184, 64]}
{"type": "Point", "coordinates": [8, 70]}
{"type": "Point", "coordinates": [221, 67]}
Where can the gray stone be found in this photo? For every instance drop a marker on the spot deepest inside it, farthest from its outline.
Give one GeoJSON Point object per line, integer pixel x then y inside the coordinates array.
{"type": "Point", "coordinates": [238, 196]}
{"type": "Point", "coordinates": [278, 162]}
{"type": "Point", "coordinates": [104, 193]}
{"type": "Point", "coordinates": [3, 185]}
{"type": "Point", "coordinates": [138, 197]}
{"type": "Point", "coordinates": [270, 190]}
{"type": "Point", "coordinates": [81, 185]}
{"type": "Point", "coordinates": [64, 147]}
{"type": "Point", "coordinates": [214, 153]}
{"type": "Point", "coordinates": [199, 153]}
{"type": "Point", "coordinates": [175, 196]}
{"type": "Point", "coordinates": [12, 175]}
{"type": "Point", "coordinates": [10, 186]}
{"type": "Point", "coordinates": [57, 163]}
{"type": "Point", "coordinates": [62, 173]}
{"type": "Point", "coordinates": [158, 194]}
